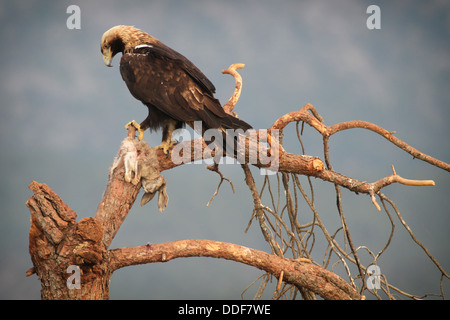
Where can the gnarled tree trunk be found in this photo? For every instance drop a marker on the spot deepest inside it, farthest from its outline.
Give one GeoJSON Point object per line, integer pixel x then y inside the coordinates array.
{"type": "Point", "coordinates": [65, 252]}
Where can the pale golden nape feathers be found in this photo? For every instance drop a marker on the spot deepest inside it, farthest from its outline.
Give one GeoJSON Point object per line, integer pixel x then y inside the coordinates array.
{"type": "Point", "coordinates": [129, 36]}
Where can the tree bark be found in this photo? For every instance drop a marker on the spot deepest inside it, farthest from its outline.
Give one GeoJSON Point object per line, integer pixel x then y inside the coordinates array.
{"type": "Point", "coordinates": [58, 242]}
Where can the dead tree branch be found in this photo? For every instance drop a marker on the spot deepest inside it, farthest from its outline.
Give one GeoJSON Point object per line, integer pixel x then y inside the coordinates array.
{"type": "Point", "coordinates": [58, 241]}
{"type": "Point", "coordinates": [316, 121]}
{"type": "Point", "coordinates": [229, 106]}
{"type": "Point", "coordinates": [313, 166]}
{"type": "Point", "coordinates": [301, 274]}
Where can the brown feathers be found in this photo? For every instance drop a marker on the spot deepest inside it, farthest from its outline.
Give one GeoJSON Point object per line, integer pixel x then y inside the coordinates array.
{"type": "Point", "coordinates": [174, 90]}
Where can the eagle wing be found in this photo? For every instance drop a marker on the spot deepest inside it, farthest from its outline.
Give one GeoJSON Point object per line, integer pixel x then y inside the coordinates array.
{"type": "Point", "coordinates": [161, 77]}
{"type": "Point", "coordinates": [186, 64]}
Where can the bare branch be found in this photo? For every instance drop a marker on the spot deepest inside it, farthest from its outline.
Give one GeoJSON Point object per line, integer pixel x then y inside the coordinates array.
{"type": "Point", "coordinates": [215, 168]}
{"type": "Point", "coordinates": [229, 106]}
{"type": "Point", "coordinates": [390, 137]}
{"type": "Point", "coordinates": [314, 278]}
{"type": "Point", "coordinates": [315, 120]}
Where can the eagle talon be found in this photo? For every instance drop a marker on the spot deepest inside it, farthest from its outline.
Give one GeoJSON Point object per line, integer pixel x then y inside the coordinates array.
{"type": "Point", "coordinates": [138, 128]}
{"type": "Point", "coordinates": [165, 146]}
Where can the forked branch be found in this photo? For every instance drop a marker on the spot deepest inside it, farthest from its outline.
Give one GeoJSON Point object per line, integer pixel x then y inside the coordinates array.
{"type": "Point", "coordinates": [307, 165]}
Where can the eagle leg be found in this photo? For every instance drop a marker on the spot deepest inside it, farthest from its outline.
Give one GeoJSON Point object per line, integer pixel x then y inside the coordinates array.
{"type": "Point", "coordinates": [167, 141]}
{"type": "Point", "coordinates": [138, 128]}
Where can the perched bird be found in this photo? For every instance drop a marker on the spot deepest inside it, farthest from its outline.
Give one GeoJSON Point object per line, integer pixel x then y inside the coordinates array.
{"type": "Point", "coordinates": [174, 90]}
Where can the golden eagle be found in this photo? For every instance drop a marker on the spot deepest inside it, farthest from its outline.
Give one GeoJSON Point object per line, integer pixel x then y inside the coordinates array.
{"type": "Point", "coordinates": [175, 91]}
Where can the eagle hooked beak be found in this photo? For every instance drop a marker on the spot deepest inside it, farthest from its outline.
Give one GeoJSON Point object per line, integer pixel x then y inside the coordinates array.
{"type": "Point", "coordinates": [107, 56]}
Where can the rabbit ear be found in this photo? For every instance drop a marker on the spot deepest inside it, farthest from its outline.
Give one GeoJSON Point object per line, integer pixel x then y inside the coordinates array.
{"type": "Point", "coordinates": [163, 198]}
{"type": "Point", "coordinates": [147, 197]}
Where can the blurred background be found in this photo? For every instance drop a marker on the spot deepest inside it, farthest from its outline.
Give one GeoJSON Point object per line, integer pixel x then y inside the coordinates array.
{"type": "Point", "coordinates": [62, 117]}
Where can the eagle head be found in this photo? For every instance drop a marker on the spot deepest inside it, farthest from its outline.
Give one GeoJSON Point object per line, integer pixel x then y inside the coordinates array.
{"type": "Point", "coordinates": [121, 39]}
{"type": "Point", "coordinates": [111, 44]}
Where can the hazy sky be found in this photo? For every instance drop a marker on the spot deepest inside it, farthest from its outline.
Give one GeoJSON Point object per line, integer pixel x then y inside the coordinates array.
{"type": "Point", "coordinates": [62, 114]}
